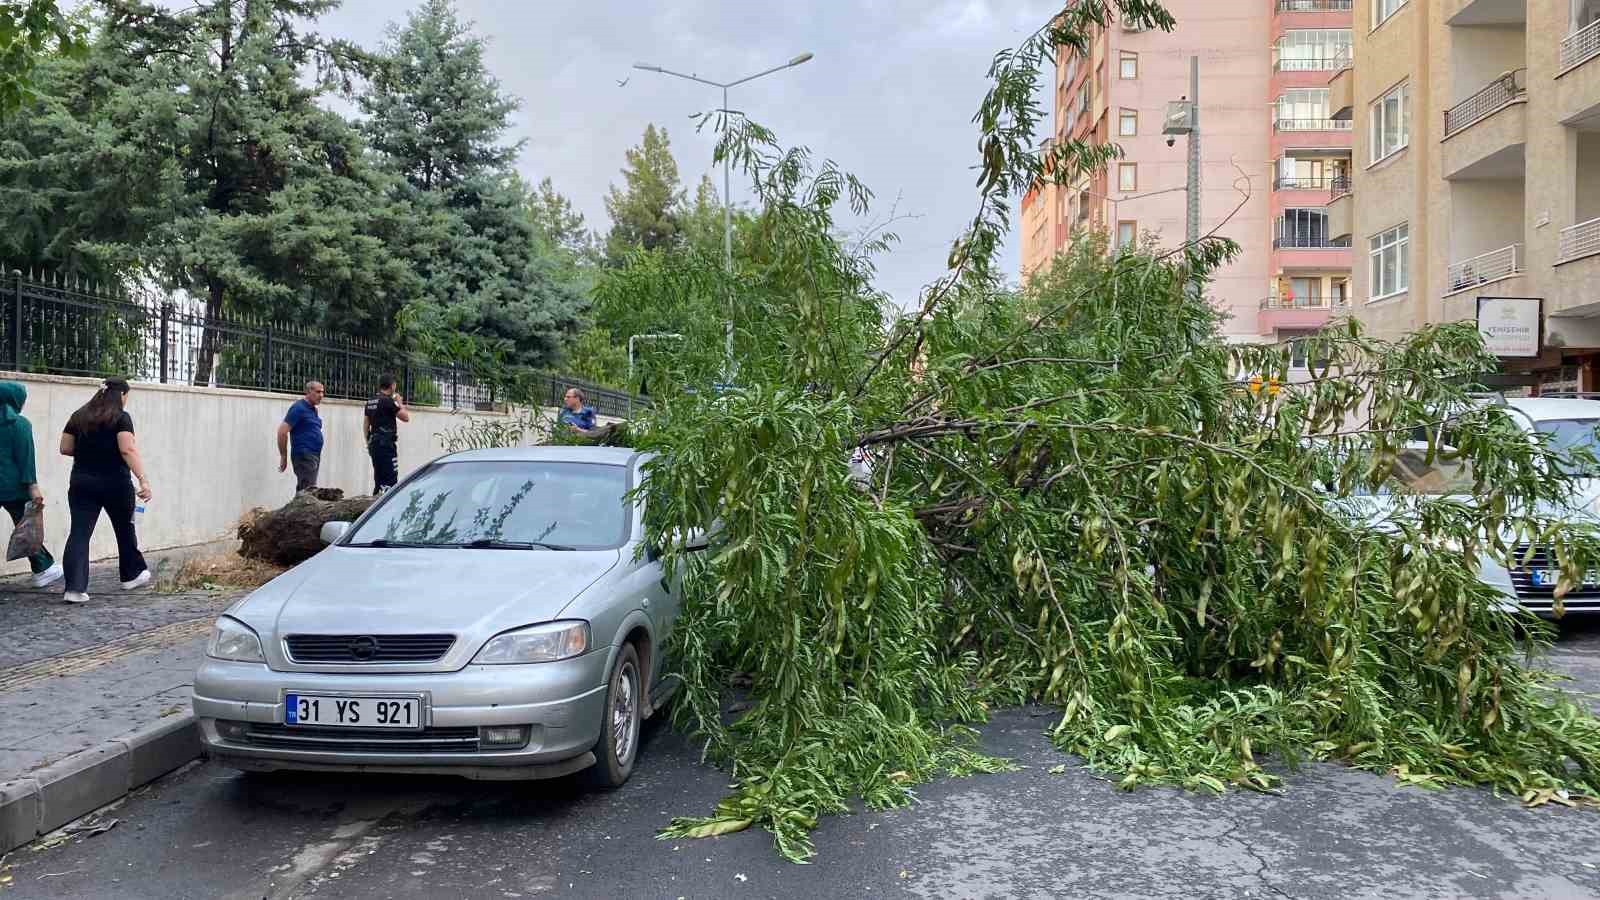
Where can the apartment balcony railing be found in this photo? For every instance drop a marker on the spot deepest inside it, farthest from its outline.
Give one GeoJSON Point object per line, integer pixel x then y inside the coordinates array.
{"type": "Point", "coordinates": [1314, 183]}
{"type": "Point", "coordinates": [1580, 46]}
{"type": "Point", "coordinates": [1314, 6]}
{"type": "Point", "coordinates": [1307, 64]}
{"type": "Point", "coordinates": [1484, 268]}
{"type": "Point", "coordinates": [1582, 239]}
{"type": "Point", "coordinates": [1338, 187]}
{"type": "Point", "coordinates": [1310, 302]}
{"type": "Point", "coordinates": [1324, 124]}
{"type": "Point", "coordinates": [1499, 94]}
{"type": "Point", "coordinates": [1344, 59]}
{"type": "Point", "coordinates": [1309, 242]}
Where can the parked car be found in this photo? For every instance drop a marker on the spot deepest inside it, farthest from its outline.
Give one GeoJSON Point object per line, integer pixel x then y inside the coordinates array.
{"type": "Point", "coordinates": [495, 616]}
{"type": "Point", "coordinates": [1569, 425]}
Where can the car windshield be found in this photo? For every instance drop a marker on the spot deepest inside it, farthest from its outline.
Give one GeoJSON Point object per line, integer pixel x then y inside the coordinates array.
{"type": "Point", "coordinates": [1574, 440]}
{"type": "Point", "coordinates": [514, 505]}
{"type": "Point", "coordinates": [1411, 473]}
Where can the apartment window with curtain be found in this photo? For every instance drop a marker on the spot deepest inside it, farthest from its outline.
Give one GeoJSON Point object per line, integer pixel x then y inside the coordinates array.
{"type": "Point", "coordinates": [1300, 174]}
{"type": "Point", "coordinates": [1311, 49]}
{"type": "Point", "coordinates": [1303, 109]}
{"type": "Point", "coordinates": [1128, 177]}
{"type": "Point", "coordinates": [1304, 228]}
{"type": "Point", "coordinates": [1391, 122]}
{"type": "Point", "coordinates": [1388, 263]}
{"type": "Point", "coordinates": [1128, 123]}
{"type": "Point", "coordinates": [1383, 9]}
{"type": "Point", "coordinates": [1129, 66]}
{"type": "Point", "coordinates": [1127, 234]}
{"type": "Point", "coordinates": [1083, 98]}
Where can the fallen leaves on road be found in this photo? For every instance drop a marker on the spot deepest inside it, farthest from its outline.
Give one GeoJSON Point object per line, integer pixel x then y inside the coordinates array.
{"type": "Point", "coordinates": [224, 571]}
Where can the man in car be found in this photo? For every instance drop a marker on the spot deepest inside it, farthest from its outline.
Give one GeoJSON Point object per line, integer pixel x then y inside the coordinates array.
{"type": "Point", "coordinates": [384, 413]}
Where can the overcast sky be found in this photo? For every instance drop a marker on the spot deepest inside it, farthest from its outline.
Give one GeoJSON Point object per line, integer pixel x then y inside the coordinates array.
{"type": "Point", "coordinates": [889, 96]}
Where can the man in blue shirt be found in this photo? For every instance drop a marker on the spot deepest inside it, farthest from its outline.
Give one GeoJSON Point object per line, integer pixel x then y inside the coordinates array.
{"type": "Point", "coordinates": [300, 438]}
{"type": "Point", "coordinates": [578, 415]}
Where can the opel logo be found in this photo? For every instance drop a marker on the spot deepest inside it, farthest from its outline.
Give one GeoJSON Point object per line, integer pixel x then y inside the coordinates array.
{"type": "Point", "coordinates": [364, 648]}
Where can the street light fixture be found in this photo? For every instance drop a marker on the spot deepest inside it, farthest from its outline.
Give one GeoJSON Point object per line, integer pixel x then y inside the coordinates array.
{"type": "Point", "coordinates": [727, 182]}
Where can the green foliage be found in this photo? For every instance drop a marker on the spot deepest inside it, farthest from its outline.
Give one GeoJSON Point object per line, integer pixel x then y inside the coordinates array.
{"type": "Point", "coordinates": [515, 429]}
{"type": "Point", "coordinates": [645, 212]}
{"type": "Point", "coordinates": [31, 30]}
{"type": "Point", "coordinates": [1076, 499]}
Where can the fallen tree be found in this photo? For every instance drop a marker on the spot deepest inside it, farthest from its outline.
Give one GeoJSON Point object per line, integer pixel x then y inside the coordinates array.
{"type": "Point", "coordinates": [292, 534]}
{"type": "Point", "coordinates": [1078, 498]}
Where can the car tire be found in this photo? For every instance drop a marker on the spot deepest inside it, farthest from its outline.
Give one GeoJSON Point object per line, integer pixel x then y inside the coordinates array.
{"type": "Point", "coordinates": [618, 746]}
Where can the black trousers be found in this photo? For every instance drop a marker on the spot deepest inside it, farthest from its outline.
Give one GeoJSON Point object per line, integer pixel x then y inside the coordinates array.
{"type": "Point", "coordinates": [41, 560]}
{"type": "Point", "coordinates": [87, 497]}
{"type": "Point", "coordinates": [383, 447]}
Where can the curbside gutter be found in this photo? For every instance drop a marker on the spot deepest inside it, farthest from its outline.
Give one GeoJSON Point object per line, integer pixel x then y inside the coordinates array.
{"type": "Point", "coordinates": [48, 798]}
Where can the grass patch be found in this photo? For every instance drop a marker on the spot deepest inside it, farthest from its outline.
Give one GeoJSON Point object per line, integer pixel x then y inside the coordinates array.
{"type": "Point", "coordinates": [220, 572]}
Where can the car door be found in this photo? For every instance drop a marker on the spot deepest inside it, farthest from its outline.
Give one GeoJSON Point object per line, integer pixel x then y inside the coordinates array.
{"type": "Point", "coordinates": [659, 596]}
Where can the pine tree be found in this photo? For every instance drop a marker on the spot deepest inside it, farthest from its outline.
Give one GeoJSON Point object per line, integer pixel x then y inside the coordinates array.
{"type": "Point", "coordinates": [646, 212]}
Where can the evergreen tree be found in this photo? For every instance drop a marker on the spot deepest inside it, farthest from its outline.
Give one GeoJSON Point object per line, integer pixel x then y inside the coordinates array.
{"type": "Point", "coordinates": [646, 211]}
{"type": "Point", "coordinates": [437, 119]}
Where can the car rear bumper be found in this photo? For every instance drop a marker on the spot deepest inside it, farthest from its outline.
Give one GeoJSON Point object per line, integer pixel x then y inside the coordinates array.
{"type": "Point", "coordinates": [240, 708]}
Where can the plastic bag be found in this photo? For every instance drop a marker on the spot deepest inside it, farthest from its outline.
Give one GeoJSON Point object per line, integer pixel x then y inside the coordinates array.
{"type": "Point", "coordinates": [28, 537]}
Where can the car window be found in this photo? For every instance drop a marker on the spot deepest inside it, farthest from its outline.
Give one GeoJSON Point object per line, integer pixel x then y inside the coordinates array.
{"type": "Point", "coordinates": [578, 505]}
{"type": "Point", "coordinates": [1574, 440]}
{"type": "Point", "coordinates": [1413, 474]}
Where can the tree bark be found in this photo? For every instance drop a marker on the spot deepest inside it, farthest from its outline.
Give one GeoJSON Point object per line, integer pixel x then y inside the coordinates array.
{"type": "Point", "coordinates": [293, 533]}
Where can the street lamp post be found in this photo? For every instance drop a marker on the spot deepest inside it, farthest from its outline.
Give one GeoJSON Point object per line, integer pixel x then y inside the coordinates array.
{"type": "Point", "coordinates": [727, 186]}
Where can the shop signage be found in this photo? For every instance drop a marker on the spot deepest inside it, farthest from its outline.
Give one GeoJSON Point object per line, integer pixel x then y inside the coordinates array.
{"type": "Point", "coordinates": [1512, 327]}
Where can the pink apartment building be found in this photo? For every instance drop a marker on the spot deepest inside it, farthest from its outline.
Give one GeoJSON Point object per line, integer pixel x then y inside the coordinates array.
{"type": "Point", "coordinates": [1270, 153]}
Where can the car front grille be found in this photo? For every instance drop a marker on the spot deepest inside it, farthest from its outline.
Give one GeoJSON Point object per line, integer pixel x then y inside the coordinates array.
{"type": "Point", "coordinates": [357, 649]}
{"type": "Point", "coordinates": [1541, 598]}
{"type": "Point", "coordinates": [363, 740]}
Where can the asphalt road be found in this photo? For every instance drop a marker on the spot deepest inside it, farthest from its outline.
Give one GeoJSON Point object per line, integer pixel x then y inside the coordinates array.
{"type": "Point", "coordinates": [208, 832]}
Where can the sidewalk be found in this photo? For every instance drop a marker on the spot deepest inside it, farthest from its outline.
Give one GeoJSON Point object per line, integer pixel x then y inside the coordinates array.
{"type": "Point", "coordinates": [94, 698]}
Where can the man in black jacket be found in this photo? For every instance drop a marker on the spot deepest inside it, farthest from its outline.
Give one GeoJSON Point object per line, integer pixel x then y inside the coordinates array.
{"type": "Point", "coordinates": [384, 413]}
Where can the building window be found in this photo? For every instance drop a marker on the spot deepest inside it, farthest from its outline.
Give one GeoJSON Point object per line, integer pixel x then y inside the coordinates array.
{"type": "Point", "coordinates": [1383, 9]}
{"type": "Point", "coordinates": [1128, 177]}
{"type": "Point", "coordinates": [1083, 98]}
{"type": "Point", "coordinates": [1311, 49]}
{"type": "Point", "coordinates": [1391, 123]}
{"type": "Point", "coordinates": [1304, 229]}
{"type": "Point", "coordinates": [1584, 14]}
{"type": "Point", "coordinates": [1303, 109]}
{"type": "Point", "coordinates": [1130, 66]}
{"type": "Point", "coordinates": [1388, 262]}
{"type": "Point", "coordinates": [1128, 123]}
{"type": "Point", "coordinates": [1127, 235]}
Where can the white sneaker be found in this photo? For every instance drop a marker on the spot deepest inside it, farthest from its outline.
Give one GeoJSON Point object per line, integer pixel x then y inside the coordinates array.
{"type": "Point", "coordinates": [75, 597]}
{"type": "Point", "coordinates": [49, 576]}
{"type": "Point", "coordinates": [139, 581]}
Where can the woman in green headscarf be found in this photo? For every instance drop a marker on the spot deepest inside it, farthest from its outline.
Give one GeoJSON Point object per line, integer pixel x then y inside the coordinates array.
{"type": "Point", "coordinates": [19, 482]}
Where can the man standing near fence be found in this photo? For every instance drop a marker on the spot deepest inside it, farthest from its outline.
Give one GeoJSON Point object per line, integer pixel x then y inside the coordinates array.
{"type": "Point", "coordinates": [300, 438]}
{"type": "Point", "coordinates": [384, 413]}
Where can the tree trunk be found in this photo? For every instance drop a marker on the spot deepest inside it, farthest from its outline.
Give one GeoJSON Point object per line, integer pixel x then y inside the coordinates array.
{"type": "Point", "coordinates": [293, 534]}
{"type": "Point", "coordinates": [210, 336]}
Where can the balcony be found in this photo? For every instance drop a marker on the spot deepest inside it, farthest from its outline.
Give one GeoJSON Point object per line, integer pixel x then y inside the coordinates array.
{"type": "Point", "coordinates": [1307, 242]}
{"type": "Point", "coordinates": [1299, 313]}
{"type": "Point", "coordinates": [1580, 47]}
{"type": "Point", "coordinates": [1579, 241]}
{"type": "Point", "coordinates": [1499, 94]}
{"type": "Point", "coordinates": [1485, 268]}
{"type": "Point", "coordinates": [1307, 64]}
{"type": "Point", "coordinates": [1310, 183]}
{"type": "Point", "coordinates": [1301, 125]}
{"type": "Point", "coordinates": [1314, 6]}
{"type": "Point", "coordinates": [1341, 209]}
{"type": "Point", "coordinates": [1342, 89]}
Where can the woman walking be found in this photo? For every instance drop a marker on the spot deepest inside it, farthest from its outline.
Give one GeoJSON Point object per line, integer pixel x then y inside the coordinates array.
{"type": "Point", "coordinates": [99, 438]}
{"type": "Point", "coordinates": [19, 481]}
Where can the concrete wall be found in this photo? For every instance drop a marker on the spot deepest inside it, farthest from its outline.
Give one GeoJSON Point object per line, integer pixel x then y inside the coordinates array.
{"type": "Point", "coordinates": [1489, 217]}
{"type": "Point", "coordinates": [210, 455]}
{"type": "Point", "coordinates": [1588, 179]}
{"type": "Point", "coordinates": [1481, 54]}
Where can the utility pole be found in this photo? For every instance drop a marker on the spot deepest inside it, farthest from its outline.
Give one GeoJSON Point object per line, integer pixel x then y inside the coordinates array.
{"type": "Point", "coordinates": [1193, 233]}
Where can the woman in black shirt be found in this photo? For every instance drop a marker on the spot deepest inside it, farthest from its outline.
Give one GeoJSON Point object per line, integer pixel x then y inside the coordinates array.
{"type": "Point", "coordinates": [99, 438]}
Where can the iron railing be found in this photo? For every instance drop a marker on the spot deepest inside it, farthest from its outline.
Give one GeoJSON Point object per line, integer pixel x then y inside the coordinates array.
{"type": "Point", "coordinates": [1344, 59]}
{"type": "Point", "coordinates": [1483, 268]}
{"type": "Point", "coordinates": [1314, 301]}
{"type": "Point", "coordinates": [1499, 94]}
{"type": "Point", "coordinates": [1307, 64]}
{"type": "Point", "coordinates": [1309, 242]}
{"type": "Point", "coordinates": [1582, 239]}
{"type": "Point", "coordinates": [1580, 46]}
{"type": "Point", "coordinates": [60, 326]}
{"type": "Point", "coordinates": [1314, 6]}
{"type": "Point", "coordinates": [1339, 186]}
{"type": "Point", "coordinates": [1309, 183]}
{"type": "Point", "coordinates": [1323, 124]}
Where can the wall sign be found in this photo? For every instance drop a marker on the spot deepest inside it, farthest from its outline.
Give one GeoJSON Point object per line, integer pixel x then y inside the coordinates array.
{"type": "Point", "coordinates": [1512, 327]}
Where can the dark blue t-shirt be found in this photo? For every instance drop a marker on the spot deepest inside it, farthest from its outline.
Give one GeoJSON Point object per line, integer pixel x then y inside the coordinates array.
{"type": "Point", "coordinates": [583, 418]}
{"type": "Point", "coordinates": [305, 428]}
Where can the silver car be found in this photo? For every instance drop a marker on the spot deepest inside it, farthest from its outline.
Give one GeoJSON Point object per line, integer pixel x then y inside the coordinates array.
{"type": "Point", "coordinates": [495, 616]}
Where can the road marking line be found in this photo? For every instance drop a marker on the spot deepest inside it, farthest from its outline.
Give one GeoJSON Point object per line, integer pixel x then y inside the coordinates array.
{"type": "Point", "coordinates": [76, 662]}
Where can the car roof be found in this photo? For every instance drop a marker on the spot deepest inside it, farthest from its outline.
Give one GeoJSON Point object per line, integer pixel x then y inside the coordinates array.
{"type": "Point", "coordinates": [610, 456]}
{"type": "Point", "coordinates": [1542, 408]}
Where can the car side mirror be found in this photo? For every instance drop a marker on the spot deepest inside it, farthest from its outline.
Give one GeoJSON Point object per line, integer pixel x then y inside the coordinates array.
{"type": "Point", "coordinates": [333, 531]}
{"type": "Point", "coordinates": [696, 539]}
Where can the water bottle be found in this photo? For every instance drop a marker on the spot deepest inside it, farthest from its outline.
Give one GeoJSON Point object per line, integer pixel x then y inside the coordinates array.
{"type": "Point", "coordinates": [138, 512]}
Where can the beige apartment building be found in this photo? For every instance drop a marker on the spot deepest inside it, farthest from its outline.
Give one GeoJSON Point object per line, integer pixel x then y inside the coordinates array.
{"type": "Point", "coordinates": [1476, 190]}
{"type": "Point", "coordinates": [1271, 153]}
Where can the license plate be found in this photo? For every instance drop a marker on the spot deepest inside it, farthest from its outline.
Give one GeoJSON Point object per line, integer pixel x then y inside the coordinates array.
{"type": "Point", "coordinates": [1549, 578]}
{"type": "Point", "coordinates": [352, 712]}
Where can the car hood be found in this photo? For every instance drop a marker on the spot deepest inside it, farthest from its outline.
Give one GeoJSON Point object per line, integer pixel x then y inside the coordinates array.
{"type": "Point", "coordinates": [474, 594]}
{"type": "Point", "coordinates": [1385, 510]}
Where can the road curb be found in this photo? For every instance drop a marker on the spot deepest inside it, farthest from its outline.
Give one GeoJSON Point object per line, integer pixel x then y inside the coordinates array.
{"type": "Point", "coordinates": [49, 798]}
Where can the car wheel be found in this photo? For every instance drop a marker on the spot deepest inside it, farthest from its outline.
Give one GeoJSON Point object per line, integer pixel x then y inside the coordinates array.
{"type": "Point", "coordinates": [618, 746]}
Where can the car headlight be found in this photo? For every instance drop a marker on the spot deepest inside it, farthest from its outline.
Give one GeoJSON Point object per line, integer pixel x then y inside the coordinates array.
{"type": "Point", "coordinates": [549, 642]}
{"type": "Point", "coordinates": [232, 639]}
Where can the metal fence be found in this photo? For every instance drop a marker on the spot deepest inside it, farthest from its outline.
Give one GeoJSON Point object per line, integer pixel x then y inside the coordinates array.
{"type": "Point", "coordinates": [59, 326]}
{"type": "Point", "coordinates": [1499, 94]}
